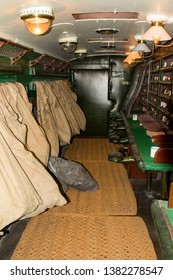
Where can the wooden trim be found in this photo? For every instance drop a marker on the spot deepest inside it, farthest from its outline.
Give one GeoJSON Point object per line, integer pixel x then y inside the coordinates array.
{"type": "Point", "coordinates": [170, 200]}
{"type": "Point", "coordinates": [106, 15]}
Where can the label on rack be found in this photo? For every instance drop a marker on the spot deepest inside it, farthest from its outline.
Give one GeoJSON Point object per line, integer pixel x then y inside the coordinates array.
{"type": "Point", "coordinates": [135, 117]}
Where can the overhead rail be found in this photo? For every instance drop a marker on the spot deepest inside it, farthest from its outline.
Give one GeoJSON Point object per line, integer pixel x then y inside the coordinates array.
{"type": "Point", "coordinates": [15, 51]}
{"type": "Point", "coordinates": [50, 62]}
{"type": "Point", "coordinates": [12, 50]}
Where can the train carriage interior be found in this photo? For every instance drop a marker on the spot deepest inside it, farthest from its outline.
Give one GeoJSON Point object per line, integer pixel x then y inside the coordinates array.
{"type": "Point", "coordinates": [86, 130]}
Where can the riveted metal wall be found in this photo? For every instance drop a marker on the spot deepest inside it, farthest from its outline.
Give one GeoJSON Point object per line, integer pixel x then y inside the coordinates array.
{"type": "Point", "coordinates": [101, 85]}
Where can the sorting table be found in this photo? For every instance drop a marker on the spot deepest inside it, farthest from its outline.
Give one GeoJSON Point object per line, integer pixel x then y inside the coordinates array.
{"type": "Point", "coordinates": [140, 144]}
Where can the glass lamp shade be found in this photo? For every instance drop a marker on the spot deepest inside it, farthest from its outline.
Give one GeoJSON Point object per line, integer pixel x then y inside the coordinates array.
{"type": "Point", "coordinates": [133, 56]}
{"type": "Point", "coordinates": [141, 47]}
{"type": "Point", "coordinates": [68, 45]}
{"type": "Point", "coordinates": [156, 33]}
{"type": "Point", "coordinates": [37, 19]}
{"type": "Point", "coordinates": [81, 55]}
{"type": "Point", "coordinates": [38, 25]}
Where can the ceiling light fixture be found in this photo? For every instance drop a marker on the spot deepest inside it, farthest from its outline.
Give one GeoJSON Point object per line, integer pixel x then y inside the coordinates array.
{"type": "Point", "coordinates": [144, 50]}
{"type": "Point", "coordinates": [81, 54]}
{"type": "Point", "coordinates": [38, 19]}
{"type": "Point", "coordinates": [133, 57]}
{"type": "Point", "coordinates": [68, 45]}
{"type": "Point", "coordinates": [156, 32]}
{"type": "Point", "coordinates": [141, 47]}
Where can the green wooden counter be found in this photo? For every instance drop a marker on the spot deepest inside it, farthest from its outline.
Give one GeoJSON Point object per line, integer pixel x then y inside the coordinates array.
{"type": "Point", "coordinates": [144, 144]}
{"type": "Point", "coordinates": [140, 144]}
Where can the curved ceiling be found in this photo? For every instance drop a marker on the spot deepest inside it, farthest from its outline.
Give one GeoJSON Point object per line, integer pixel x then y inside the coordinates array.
{"type": "Point", "coordinates": [129, 18]}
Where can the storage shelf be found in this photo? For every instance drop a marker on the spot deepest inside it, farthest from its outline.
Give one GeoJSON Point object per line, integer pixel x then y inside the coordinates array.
{"type": "Point", "coordinates": [164, 96]}
{"type": "Point", "coordinates": [165, 112]}
{"type": "Point", "coordinates": [165, 83]}
{"type": "Point", "coordinates": [166, 69]}
{"type": "Point", "coordinates": [12, 50]}
{"type": "Point", "coordinates": [50, 62]}
{"type": "Point", "coordinates": [156, 93]}
{"type": "Point", "coordinates": [15, 51]}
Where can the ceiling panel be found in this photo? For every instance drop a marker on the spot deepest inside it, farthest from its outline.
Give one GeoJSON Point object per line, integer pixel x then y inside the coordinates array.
{"type": "Point", "coordinates": [12, 27]}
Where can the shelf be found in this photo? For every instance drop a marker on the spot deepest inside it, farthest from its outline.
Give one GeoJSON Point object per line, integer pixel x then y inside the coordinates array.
{"type": "Point", "coordinates": [166, 69]}
{"type": "Point", "coordinates": [161, 82]}
{"type": "Point", "coordinates": [50, 62]}
{"type": "Point", "coordinates": [164, 83]}
{"type": "Point", "coordinates": [164, 96]}
{"type": "Point", "coordinates": [165, 112]}
{"type": "Point", "coordinates": [15, 51]}
{"type": "Point", "coordinates": [12, 50]}
{"type": "Point", "coordinates": [156, 93]}
{"type": "Point", "coordinates": [167, 62]}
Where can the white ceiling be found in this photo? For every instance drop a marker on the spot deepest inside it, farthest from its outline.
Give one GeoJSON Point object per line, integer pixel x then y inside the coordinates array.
{"type": "Point", "coordinates": [12, 27]}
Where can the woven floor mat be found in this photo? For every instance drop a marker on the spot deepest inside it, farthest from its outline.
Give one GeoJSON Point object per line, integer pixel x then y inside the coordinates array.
{"type": "Point", "coordinates": [90, 149]}
{"type": "Point", "coordinates": [53, 236]}
{"type": "Point", "coordinates": [115, 196]}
